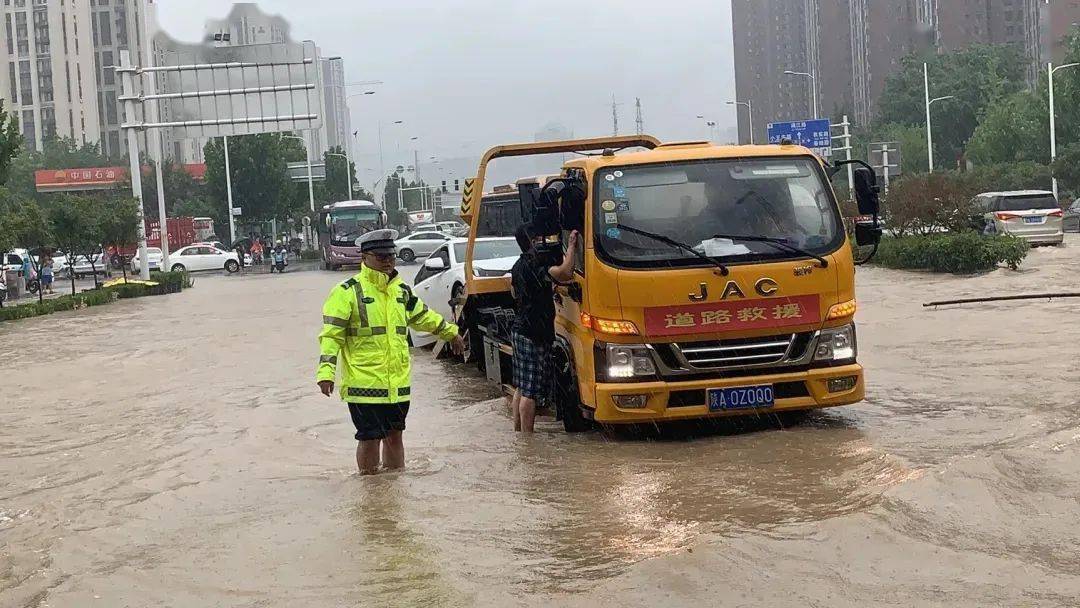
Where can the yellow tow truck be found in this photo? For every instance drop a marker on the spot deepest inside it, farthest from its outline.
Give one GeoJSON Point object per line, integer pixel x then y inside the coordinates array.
{"type": "Point", "coordinates": [712, 280]}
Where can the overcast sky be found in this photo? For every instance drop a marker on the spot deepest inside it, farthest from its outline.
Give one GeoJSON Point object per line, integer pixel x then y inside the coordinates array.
{"type": "Point", "coordinates": [468, 74]}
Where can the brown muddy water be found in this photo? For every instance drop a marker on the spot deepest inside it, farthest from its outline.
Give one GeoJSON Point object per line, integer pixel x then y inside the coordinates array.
{"type": "Point", "coordinates": [174, 452]}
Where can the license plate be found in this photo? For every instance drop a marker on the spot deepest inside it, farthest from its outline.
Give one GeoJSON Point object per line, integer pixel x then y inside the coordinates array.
{"type": "Point", "coordinates": [1033, 220]}
{"type": "Point", "coordinates": [741, 398]}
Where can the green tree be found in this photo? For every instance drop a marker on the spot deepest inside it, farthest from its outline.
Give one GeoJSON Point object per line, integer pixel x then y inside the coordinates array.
{"type": "Point", "coordinates": [1014, 129]}
{"type": "Point", "coordinates": [120, 225]}
{"type": "Point", "coordinates": [912, 139]}
{"type": "Point", "coordinates": [977, 77]}
{"type": "Point", "coordinates": [63, 153]}
{"type": "Point", "coordinates": [10, 141]}
{"type": "Point", "coordinates": [179, 186]}
{"type": "Point", "coordinates": [260, 186]}
{"type": "Point", "coordinates": [77, 229]}
{"type": "Point", "coordinates": [29, 226]}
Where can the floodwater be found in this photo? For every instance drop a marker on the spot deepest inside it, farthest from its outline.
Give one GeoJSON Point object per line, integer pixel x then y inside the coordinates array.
{"type": "Point", "coordinates": [174, 452]}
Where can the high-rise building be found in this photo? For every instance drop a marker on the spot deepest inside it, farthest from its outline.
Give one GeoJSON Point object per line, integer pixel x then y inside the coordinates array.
{"type": "Point", "coordinates": [338, 128]}
{"type": "Point", "coordinates": [852, 46]}
{"type": "Point", "coordinates": [117, 26]}
{"type": "Point", "coordinates": [1057, 19]}
{"type": "Point", "coordinates": [48, 82]}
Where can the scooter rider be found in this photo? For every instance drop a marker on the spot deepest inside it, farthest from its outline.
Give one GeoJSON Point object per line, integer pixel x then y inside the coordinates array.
{"type": "Point", "coordinates": [365, 334]}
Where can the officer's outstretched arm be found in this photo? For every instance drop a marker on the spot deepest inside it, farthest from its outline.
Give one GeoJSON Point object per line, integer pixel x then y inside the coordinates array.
{"type": "Point", "coordinates": [422, 318]}
{"type": "Point", "coordinates": [336, 313]}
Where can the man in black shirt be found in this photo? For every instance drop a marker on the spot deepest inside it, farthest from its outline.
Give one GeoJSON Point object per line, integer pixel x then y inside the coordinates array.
{"type": "Point", "coordinates": [534, 323]}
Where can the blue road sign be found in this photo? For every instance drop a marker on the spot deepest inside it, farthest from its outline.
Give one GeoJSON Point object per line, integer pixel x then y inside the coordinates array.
{"type": "Point", "coordinates": [813, 134]}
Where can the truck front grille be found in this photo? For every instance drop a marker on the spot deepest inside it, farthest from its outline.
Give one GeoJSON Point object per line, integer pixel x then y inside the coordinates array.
{"type": "Point", "coordinates": [739, 352]}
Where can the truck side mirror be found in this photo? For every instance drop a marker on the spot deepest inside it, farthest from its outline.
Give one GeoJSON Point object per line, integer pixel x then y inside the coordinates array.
{"type": "Point", "coordinates": [866, 191]}
{"type": "Point", "coordinates": [867, 233]}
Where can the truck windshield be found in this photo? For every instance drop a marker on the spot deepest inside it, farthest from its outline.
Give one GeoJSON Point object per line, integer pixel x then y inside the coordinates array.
{"type": "Point", "coordinates": [346, 225]}
{"type": "Point", "coordinates": [783, 199]}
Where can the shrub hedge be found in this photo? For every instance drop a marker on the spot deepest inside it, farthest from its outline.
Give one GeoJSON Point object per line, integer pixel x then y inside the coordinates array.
{"type": "Point", "coordinates": [957, 253]}
{"type": "Point", "coordinates": [168, 282]}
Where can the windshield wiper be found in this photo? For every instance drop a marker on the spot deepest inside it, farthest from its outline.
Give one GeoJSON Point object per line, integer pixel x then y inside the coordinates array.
{"type": "Point", "coordinates": [687, 248]}
{"type": "Point", "coordinates": [781, 243]}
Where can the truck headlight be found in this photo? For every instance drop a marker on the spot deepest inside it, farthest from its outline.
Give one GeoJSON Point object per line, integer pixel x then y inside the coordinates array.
{"type": "Point", "coordinates": [836, 344]}
{"type": "Point", "coordinates": [626, 362]}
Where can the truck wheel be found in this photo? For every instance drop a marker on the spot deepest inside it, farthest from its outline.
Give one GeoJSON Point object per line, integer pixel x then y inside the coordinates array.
{"type": "Point", "coordinates": [565, 393]}
{"type": "Point", "coordinates": [407, 256]}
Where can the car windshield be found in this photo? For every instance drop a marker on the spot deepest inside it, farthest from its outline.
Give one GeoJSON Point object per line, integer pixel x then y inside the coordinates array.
{"type": "Point", "coordinates": [348, 224]}
{"type": "Point", "coordinates": [489, 250]}
{"type": "Point", "coordinates": [1026, 202]}
{"type": "Point", "coordinates": [692, 202]}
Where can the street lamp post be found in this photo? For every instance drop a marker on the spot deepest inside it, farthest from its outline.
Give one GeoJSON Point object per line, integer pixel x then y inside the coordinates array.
{"type": "Point", "coordinates": [1050, 70]}
{"type": "Point", "coordinates": [348, 144]}
{"type": "Point", "coordinates": [813, 88]}
{"type": "Point", "coordinates": [750, 115]}
{"type": "Point", "coordinates": [930, 102]}
{"type": "Point", "coordinates": [712, 126]}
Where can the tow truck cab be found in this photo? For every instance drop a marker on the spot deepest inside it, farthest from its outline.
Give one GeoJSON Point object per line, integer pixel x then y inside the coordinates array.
{"type": "Point", "coordinates": [712, 281]}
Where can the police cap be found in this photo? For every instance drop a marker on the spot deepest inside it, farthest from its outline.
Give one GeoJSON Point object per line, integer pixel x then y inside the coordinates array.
{"type": "Point", "coordinates": [378, 241]}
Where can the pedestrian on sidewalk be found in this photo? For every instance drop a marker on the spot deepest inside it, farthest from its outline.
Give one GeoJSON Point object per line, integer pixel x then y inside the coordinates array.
{"type": "Point", "coordinates": [365, 334]}
{"type": "Point", "coordinates": [46, 272]}
{"type": "Point", "coordinates": [533, 331]}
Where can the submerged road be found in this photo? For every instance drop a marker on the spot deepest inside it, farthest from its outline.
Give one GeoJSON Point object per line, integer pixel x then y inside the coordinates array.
{"type": "Point", "coordinates": [174, 451]}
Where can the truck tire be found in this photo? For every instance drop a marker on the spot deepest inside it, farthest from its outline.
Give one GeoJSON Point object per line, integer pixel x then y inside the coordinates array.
{"type": "Point", "coordinates": [566, 395]}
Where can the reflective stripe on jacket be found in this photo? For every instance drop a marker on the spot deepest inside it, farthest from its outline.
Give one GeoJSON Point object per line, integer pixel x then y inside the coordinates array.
{"type": "Point", "coordinates": [364, 333]}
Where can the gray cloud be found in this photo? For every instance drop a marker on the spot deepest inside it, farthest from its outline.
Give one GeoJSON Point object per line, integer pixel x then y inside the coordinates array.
{"type": "Point", "coordinates": [468, 74]}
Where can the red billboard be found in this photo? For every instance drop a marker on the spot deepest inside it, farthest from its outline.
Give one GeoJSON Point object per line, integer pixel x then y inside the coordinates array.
{"type": "Point", "coordinates": [97, 178]}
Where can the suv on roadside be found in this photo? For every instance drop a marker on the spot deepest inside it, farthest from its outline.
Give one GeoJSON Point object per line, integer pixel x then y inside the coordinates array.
{"type": "Point", "coordinates": [1033, 215]}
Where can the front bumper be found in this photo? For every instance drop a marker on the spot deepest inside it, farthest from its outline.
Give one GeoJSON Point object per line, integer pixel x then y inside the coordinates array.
{"type": "Point", "coordinates": [801, 390]}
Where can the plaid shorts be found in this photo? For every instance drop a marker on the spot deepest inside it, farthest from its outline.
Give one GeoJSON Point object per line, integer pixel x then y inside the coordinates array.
{"type": "Point", "coordinates": [532, 367]}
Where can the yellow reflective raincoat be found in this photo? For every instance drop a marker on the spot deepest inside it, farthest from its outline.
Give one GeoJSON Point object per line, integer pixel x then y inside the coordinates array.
{"type": "Point", "coordinates": [365, 334]}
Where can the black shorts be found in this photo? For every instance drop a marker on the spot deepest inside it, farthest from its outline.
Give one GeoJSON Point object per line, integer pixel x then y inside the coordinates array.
{"type": "Point", "coordinates": [376, 420]}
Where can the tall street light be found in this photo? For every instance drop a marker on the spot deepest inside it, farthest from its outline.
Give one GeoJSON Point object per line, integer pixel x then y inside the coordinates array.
{"type": "Point", "coordinates": [930, 102]}
{"type": "Point", "coordinates": [813, 88]}
{"type": "Point", "coordinates": [348, 144]}
{"type": "Point", "coordinates": [1050, 69]}
{"type": "Point", "coordinates": [712, 126]}
{"type": "Point", "coordinates": [750, 113]}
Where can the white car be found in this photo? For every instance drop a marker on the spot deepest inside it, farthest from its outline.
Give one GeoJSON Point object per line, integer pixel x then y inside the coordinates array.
{"type": "Point", "coordinates": [81, 267]}
{"type": "Point", "coordinates": [441, 278]}
{"type": "Point", "coordinates": [194, 258]}
{"type": "Point", "coordinates": [420, 244]}
{"type": "Point", "coordinates": [153, 255]}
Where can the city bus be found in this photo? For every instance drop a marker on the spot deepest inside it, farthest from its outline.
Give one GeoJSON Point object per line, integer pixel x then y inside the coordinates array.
{"type": "Point", "coordinates": [340, 224]}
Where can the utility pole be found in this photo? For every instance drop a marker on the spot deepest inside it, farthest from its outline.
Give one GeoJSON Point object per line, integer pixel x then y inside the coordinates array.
{"type": "Point", "coordinates": [640, 119]}
{"type": "Point", "coordinates": [614, 116]}
{"type": "Point", "coordinates": [154, 135]}
{"type": "Point", "coordinates": [127, 80]}
{"type": "Point", "coordinates": [228, 193]}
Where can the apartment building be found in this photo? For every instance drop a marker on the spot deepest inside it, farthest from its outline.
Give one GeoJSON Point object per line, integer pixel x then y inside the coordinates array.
{"type": "Point", "coordinates": [49, 69]}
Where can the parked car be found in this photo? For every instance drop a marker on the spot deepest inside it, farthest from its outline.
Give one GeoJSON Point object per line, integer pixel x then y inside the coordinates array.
{"type": "Point", "coordinates": [441, 279]}
{"type": "Point", "coordinates": [81, 267]}
{"type": "Point", "coordinates": [452, 228]}
{"type": "Point", "coordinates": [153, 256]}
{"type": "Point", "coordinates": [1070, 221]}
{"type": "Point", "coordinates": [1033, 215]}
{"type": "Point", "coordinates": [194, 258]}
{"type": "Point", "coordinates": [420, 244]}
{"type": "Point", "coordinates": [222, 246]}
{"type": "Point", "coordinates": [13, 260]}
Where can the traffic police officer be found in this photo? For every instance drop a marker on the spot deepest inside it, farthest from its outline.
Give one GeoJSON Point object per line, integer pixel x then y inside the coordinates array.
{"type": "Point", "coordinates": [365, 334]}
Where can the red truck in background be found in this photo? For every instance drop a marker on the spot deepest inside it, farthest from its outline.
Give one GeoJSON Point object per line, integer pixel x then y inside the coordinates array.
{"type": "Point", "coordinates": [181, 234]}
